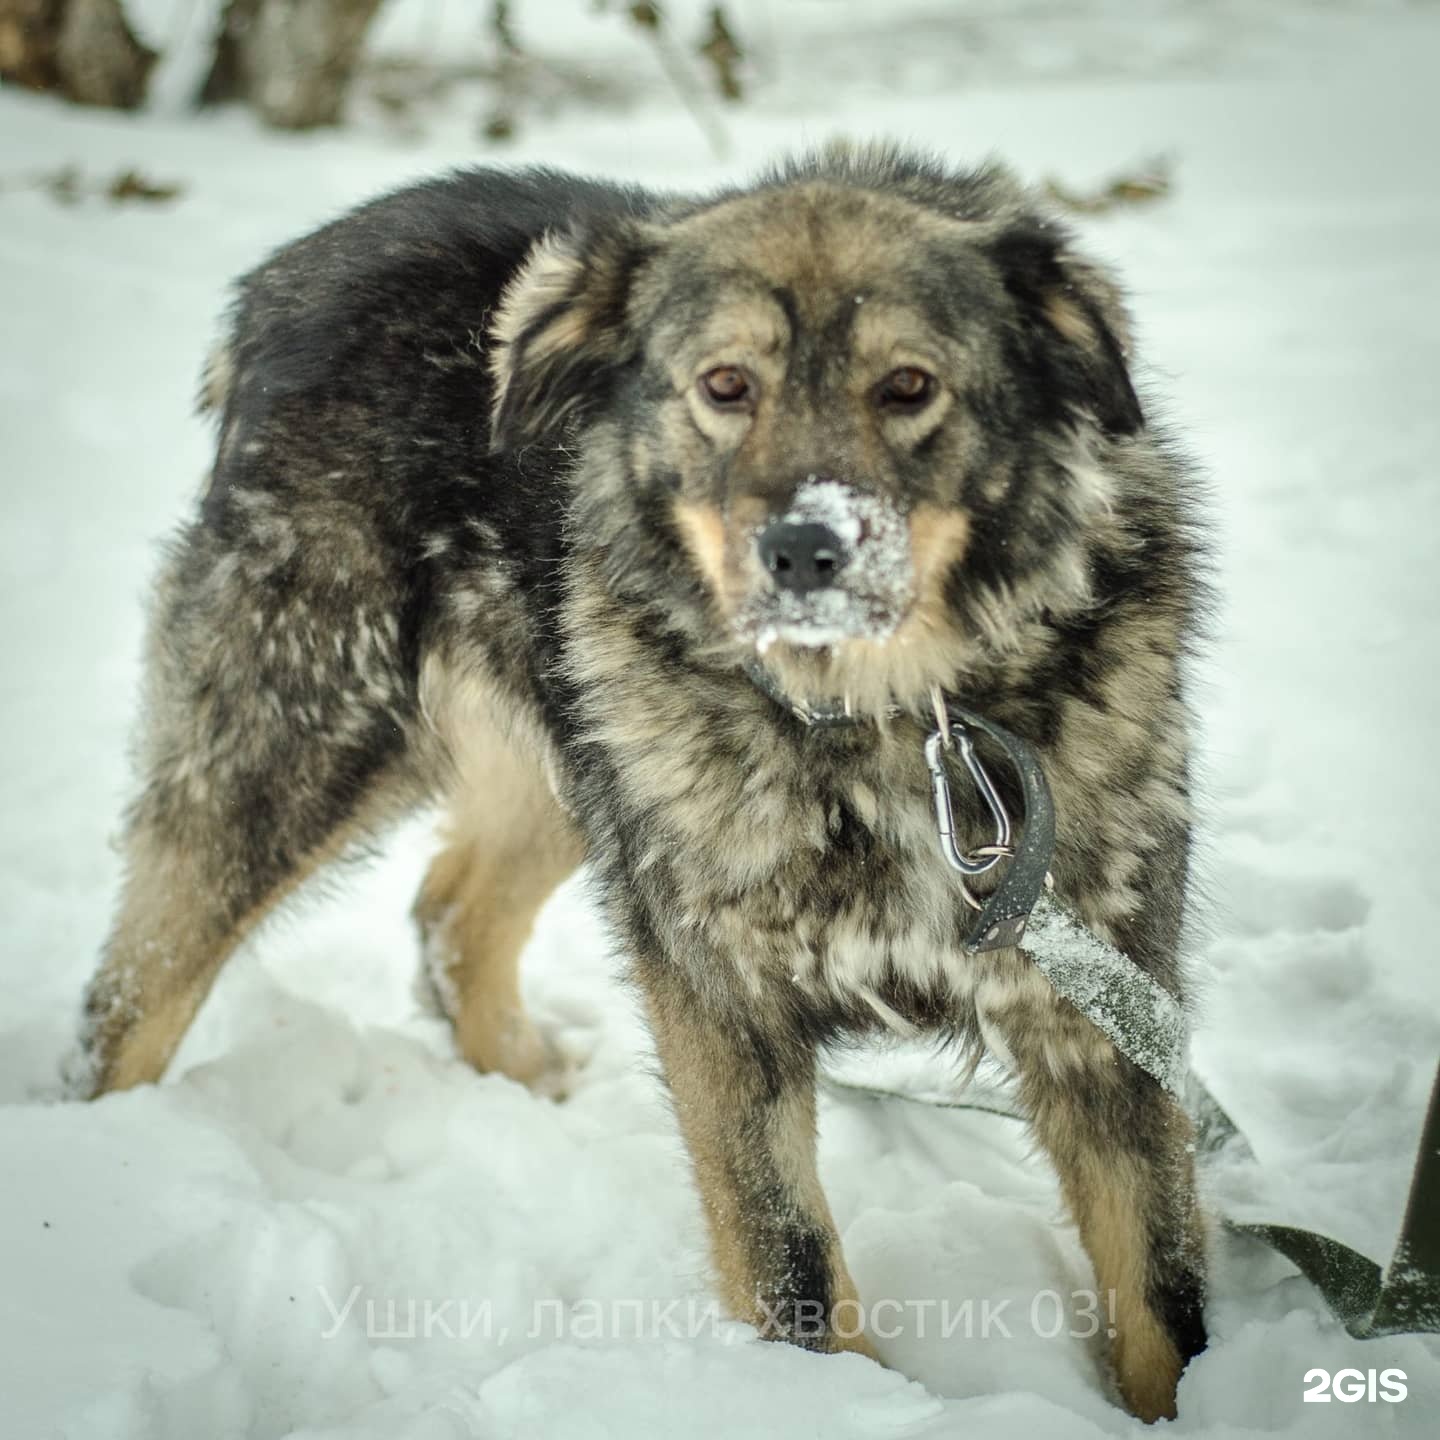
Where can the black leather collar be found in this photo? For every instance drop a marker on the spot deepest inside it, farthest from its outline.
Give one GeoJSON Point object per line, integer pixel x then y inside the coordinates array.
{"type": "Point", "coordinates": [832, 715]}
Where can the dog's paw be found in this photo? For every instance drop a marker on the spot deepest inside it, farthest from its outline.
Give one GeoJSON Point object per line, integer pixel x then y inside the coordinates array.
{"type": "Point", "coordinates": [513, 1046]}
{"type": "Point", "coordinates": [78, 1076]}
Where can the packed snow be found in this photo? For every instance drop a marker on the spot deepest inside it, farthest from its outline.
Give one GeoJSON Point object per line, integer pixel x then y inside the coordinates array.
{"type": "Point", "coordinates": [322, 1223]}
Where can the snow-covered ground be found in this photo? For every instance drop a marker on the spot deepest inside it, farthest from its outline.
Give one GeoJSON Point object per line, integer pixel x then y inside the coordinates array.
{"type": "Point", "coordinates": [178, 1261]}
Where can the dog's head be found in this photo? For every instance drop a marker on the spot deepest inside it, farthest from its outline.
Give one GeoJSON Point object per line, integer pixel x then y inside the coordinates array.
{"type": "Point", "coordinates": [853, 411]}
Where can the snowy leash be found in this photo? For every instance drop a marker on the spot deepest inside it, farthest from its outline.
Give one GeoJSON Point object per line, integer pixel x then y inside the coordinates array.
{"type": "Point", "coordinates": [1142, 1019]}
{"type": "Point", "coordinates": [1145, 1022]}
{"type": "Point", "coordinates": [1147, 1025]}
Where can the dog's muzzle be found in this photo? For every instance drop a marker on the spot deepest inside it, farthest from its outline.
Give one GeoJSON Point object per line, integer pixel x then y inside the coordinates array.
{"type": "Point", "coordinates": [836, 566]}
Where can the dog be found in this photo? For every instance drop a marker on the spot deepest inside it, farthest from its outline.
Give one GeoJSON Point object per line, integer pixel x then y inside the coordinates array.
{"type": "Point", "coordinates": [572, 504]}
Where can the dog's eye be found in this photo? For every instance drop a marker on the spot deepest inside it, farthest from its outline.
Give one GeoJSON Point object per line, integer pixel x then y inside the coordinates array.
{"type": "Point", "coordinates": [726, 386]}
{"type": "Point", "coordinates": [906, 388]}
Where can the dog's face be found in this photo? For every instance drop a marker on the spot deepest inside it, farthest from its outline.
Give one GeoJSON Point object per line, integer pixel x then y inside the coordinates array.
{"type": "Point", "coordinates": [857, 417]}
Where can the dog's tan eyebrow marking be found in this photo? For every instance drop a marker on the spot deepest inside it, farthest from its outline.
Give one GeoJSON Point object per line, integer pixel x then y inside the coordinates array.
{"type": "Point", "coordinates": [890, 334]}
{"type": "Point", "coordinates": [784, 297]}
{"type": "Point", "coordinates": [745, 331]}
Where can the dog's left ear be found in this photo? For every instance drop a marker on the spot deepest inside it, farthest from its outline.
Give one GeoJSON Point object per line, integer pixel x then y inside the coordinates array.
{"type": "Point", "coordinates": [1075, 311]}
{"type": "Point", "coordinates": [561, 331]}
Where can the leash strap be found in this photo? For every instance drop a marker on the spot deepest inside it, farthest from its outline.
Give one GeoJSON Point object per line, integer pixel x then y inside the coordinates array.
{"type": "Point", "coordinates": [1403, 1299]}
{"type": "Point", "coordinates": [1143, 1020]}
{"type": "Point", "coordinates": [1147, 1024]}
{"type": "Point", "coordinates": [1141, 1017]}
{"type": "Point", "coordinates": [1004, 916]}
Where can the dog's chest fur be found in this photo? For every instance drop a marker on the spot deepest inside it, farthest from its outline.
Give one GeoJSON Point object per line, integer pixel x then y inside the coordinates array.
{"type": "Point", "coordinates": [760, 848]}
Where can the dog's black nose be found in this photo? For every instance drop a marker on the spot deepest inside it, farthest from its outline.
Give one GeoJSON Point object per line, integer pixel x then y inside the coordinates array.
{"type": "Point", "coordinates": [801, 557]}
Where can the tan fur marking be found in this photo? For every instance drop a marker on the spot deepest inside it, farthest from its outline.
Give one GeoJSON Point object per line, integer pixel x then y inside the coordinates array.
{"type": "Point", "coordinates": [509, 843]}
{"type": "Point", "coordinates": [141, 1058]}
{"type": "Point", "coordinates": [165, 950]}
{"type": "Point", "coordinates": [1069, 320]}
{"type": "Point", "coordinates": [217, 378]}
{"type": "Point", "coordinates": [722, 544]}
{"type": "Point", "coordinates": [509, 846]}
{"type": "Point", "coordinates": [747, 330]}
{"type": "Point", "coordinates": [1107, 1200]}
{"type": "Point", "coordinates": [547, 277]}
{"type": "Point", "coordinates": [938, 539]}
{"type": "Point", "coordinates": [567, 331]}
{"type": "Point", "coordinates": [1109, 1189]}
{"type": "Point", "coordinates": [543, 280]}
{"type": "Point", "coordinates": [887, 335]}
{"type": "Point", "coordinates": [702, 528]}
{"type": "Point", "coordinates": [701, 1070]}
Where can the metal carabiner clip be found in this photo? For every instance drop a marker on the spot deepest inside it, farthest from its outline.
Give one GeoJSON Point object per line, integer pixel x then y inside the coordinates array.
{"type": "Point", "coordinates": [1006, 911]}
{"type": "Point", "coordinates": [988, 856]}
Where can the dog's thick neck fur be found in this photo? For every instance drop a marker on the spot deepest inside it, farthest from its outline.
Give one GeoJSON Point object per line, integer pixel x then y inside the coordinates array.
{"type": "Point", "coordinates": [664, 693]}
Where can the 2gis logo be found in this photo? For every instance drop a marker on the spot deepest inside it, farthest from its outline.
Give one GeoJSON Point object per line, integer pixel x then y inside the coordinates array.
{"type": "Point", "coordinates": [1352, 1385]}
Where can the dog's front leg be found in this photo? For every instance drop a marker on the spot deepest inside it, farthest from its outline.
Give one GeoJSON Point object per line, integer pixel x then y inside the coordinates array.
{"type": "Point", "coordinates": [1123, 1147]}
{"type": "Point", "coordinates": [744, 1089]}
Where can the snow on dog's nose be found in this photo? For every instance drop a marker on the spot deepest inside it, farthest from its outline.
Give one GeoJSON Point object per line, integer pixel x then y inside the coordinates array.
{"type": "Point", "coordinates": [839, 566]}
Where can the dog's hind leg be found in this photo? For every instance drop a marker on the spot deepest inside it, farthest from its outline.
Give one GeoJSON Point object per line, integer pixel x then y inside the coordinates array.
{"type": "Point", "coordinates": [1123, 1149]}
{"type": "Point", "coordinates": [185, 907]}
{"type": "Point", "coordinates": [508, 845]}
{"type": "Point", "coordinates": [275, 732]}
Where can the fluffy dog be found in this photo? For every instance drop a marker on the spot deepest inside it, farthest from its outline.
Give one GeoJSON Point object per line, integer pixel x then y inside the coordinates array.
{"type": "Point", "coordinates": [520, 477]}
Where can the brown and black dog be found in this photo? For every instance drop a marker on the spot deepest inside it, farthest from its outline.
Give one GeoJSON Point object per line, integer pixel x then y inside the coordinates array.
{"type": "Point", "coordinates": [519, 478]}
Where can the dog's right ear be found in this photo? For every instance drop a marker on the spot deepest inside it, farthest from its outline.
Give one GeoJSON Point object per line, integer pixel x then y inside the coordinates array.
{"type": "Point", "coordinates": [1076, 312]}
{"type": "Point", "coordinates": [561, 331]}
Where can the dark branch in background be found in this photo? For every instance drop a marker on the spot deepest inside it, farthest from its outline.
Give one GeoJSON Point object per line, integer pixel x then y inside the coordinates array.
{"type": "Point", "coordinates": [1148, 182]}
{"type": "Point", "coordinates": [510, 67]}
{"type": "Point", "coordinates": [722, 50]}
{"type": "Point", "coordinates": [501, 28]}
{"type": "Point", "coordinates": [69, 186]}
{"type": "Point", "coordinates": [225, 80]}
{"type": "Point", "coordinates": [82, 48]}
{"type": "Point", "coordinates": [651, 21]}
{"type": "Point", "coordinates": [521, 80]}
